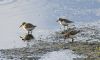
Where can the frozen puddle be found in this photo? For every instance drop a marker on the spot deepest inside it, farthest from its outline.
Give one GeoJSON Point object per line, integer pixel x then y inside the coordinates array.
{"type": "Point", "coordinates": [60, 55]}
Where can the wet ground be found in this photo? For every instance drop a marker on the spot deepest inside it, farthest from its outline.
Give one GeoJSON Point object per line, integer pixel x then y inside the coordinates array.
{"type": "Point", "coordinates": [34, 52]}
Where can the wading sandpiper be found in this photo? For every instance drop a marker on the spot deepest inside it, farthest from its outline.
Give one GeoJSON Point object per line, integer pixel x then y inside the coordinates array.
{"type": "Point", "coordinates": [28, 26]}
{"type": "Point", "coordinates": [70, 34]}
{"type": "Point", "coordinates": [64, 22]}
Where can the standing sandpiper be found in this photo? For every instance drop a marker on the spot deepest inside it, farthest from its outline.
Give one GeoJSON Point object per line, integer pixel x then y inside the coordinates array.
{"type": "Point", "coordinates": [28, 26]}
{"type": "Point", "coordinates": [64, 22]}
{"type": "Point", "coordinates": [70, 34]}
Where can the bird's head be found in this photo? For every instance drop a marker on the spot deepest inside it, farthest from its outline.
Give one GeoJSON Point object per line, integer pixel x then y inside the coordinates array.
{"type": "Point", "coordinates": [60, 19]}
{"type": "Point", "coordinates": [22, 24]}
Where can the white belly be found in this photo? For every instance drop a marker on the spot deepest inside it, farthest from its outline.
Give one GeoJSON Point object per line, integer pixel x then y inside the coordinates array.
{"type": "Point", "coordinates": [28, 29]}
{"type": "Point", "coordinates": [59, 22]}
{"type": "Point", "coordinates": [63, 23]}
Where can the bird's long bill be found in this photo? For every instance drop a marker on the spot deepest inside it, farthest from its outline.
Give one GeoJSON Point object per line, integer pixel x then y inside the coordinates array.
{"type": "Point", "coordinates": [57, 20]}
{"type": "Point", "coordinates": [20, 37]}
{"type": "Point", "coordinates": [20, 26]}
{"type": "Point", "coordinates": [35, 26]}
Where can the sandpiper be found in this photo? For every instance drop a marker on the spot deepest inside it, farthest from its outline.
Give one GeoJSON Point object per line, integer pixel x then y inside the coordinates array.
{"type": "Point", "coordinates": [28, 26]}
{"type": "Point", "coordinates": [70, 34]}
{"type": "Point", "coordinates": [64, 22]}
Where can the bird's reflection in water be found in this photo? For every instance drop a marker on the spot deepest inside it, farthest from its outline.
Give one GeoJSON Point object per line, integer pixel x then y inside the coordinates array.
{"type": "Point", "coordinates": [27, 38]}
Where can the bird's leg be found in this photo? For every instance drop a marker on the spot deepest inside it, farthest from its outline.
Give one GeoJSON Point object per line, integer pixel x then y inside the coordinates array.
{"type": "Point", "coordinates": [31, 32]}
{"type": "Point", "coordinates": [64, 28]}
{"type": "Point", "coordinates": [28, 45]}
{"type": "Point", "coordinates": [72, 40]}
{"type": "Point", "coordinates": [67, 27]}
{"type": "Point", "coordinates": [64, 38]}
{"type": "Point", "coordinates": [28, 32]}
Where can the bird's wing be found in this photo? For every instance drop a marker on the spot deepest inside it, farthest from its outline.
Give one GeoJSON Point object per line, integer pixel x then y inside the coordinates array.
{"type": "Point", "coordinates": [67, 21]}
{"type": "Point", "coordinates": [29, 25]}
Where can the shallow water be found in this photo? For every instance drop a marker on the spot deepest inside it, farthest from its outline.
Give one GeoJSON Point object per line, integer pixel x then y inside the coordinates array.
{"type": "Point", "coordinates": [43, 14]}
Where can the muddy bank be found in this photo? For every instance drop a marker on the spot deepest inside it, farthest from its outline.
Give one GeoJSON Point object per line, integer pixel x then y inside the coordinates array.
{"type": "Point", "coordinates": [91, 50]}
{"type": "Point", "coordinates": [33, 52]}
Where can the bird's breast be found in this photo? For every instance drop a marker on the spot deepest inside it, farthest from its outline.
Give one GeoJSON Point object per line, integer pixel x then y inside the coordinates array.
{"type": "Point", "coordinates": [28, 28]}
{"type": "Point", "coordinates": [63, 23]}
